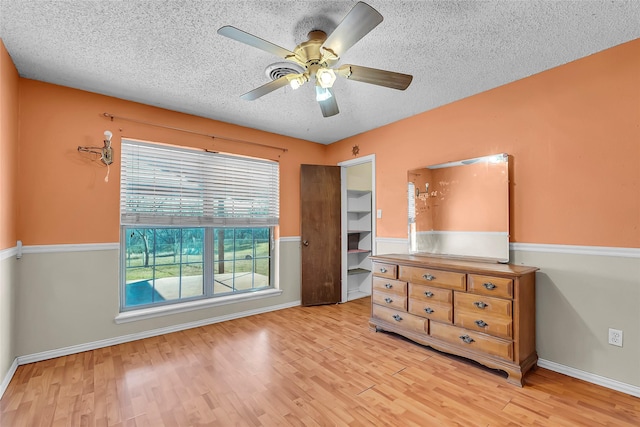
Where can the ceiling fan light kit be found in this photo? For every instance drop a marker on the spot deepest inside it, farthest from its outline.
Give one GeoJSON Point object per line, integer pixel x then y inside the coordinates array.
{"type": "Point", "coordinates": [325, 77]}
{"type": "Point", "coordinates": [317, 56]}
{"type": "Point", "coordinates": [322, 93]}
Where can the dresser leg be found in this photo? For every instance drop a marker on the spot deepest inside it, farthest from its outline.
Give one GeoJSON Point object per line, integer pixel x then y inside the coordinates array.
{"type": "Point", "coordinates": [516, 378]}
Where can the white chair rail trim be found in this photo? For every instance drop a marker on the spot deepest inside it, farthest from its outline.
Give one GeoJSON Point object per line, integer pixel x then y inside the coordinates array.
{"type": "Point", "coordinates": [8, 253]}
{"type": "Point", "coordinates": [549, 248]}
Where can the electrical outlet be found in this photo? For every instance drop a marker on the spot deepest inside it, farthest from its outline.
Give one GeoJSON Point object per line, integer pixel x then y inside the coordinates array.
{"type": "Point", "coordinates": [615, 337]}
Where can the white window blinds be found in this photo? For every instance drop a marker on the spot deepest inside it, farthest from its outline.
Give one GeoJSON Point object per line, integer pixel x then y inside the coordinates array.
{"type": "Point", "coordinates": [161, 185]}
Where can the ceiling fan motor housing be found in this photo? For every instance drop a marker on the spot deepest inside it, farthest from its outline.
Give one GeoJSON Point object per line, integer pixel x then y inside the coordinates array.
{"type": "Point", "coordinates": [309, 52]}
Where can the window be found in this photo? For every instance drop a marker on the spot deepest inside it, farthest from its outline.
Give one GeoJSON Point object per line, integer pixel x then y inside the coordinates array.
{"type": "Point", "coordinates": [194, 224]}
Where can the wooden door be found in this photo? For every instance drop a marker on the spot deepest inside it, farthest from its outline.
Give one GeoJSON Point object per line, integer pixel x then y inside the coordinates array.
{"type": "Point", "coordinates": [320, 234]}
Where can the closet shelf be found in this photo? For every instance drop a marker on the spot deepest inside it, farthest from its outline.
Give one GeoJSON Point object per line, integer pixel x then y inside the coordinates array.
{"type": "Point", "coordinates": [358, 251]}
{"type": "Point", "coordinates": [353, 271]}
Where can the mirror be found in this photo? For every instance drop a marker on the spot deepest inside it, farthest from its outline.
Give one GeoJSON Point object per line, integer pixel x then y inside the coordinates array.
{"type": "Point", "coordinates": [461, 209]}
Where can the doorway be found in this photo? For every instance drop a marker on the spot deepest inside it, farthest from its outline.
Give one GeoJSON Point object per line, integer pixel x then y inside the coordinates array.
{"type": "Point", "coordinates": [358, 225]}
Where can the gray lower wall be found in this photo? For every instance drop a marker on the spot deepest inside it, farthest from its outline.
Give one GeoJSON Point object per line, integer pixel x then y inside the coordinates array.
{"type": "Point", "coordinates": [578, 298]}
{"type": "Point", "coordinates": [71, 298]}
{"type": "Point", "coordinates": [8, 350]}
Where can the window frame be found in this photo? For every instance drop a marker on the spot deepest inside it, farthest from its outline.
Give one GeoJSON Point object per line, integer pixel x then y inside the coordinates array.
{"type": "Point", "coordinates": [208, 267]}
{"type": "Point", "coordinates": [212, 181]}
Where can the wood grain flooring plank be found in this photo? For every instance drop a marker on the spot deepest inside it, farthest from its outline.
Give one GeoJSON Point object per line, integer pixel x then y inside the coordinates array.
{"type": "Point", "coordinates": [302, 366]}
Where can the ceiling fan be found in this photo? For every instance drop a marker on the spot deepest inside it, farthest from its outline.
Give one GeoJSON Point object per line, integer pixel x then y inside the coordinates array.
{"type": "Point", "coordinates": [317, 56]}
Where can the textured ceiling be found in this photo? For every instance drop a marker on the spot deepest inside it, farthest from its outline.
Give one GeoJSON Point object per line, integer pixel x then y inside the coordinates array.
{"type": "Point", "coordinates": [168, 54]}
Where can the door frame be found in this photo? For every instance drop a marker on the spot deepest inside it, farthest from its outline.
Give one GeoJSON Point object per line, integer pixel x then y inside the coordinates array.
{"type": "Point", "coordinates": [371, 158]}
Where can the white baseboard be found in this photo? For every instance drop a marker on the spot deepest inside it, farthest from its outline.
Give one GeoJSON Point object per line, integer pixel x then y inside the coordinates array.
{"type": "Point", "coordinates": [590, 378]}
{"type": "Point", "coordinates": [50, 354]}
{"type": "Point", "coordinates": [7, 378]}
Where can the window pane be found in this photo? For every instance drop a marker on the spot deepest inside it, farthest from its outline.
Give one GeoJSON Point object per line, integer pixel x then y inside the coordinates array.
{"type": "Point", "coordinates": [262, 242]}
{"type": "Point", "coordinates": [261, 277]}
{"type": "Point", "coordinates": [222, 241]}
{"type": "Point", "coordinates": [192, 262]}
{"type": "Point", "coordinates": [163, 264]}
{"type": "Point", "coordinates": [167, 281]}
{"type": "Point", "coordinates": [223, 277]}
{"type": "Point", "coordinates": [243, 275]}
{"type": "Point", "coordinates": [192, 280]}
{"type": "Point", "coordinates": [139, 267]}
{"type": "Point", "coordinates": [243, 243]}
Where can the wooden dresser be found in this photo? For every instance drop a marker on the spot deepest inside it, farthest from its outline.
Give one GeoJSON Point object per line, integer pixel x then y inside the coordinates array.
{"type": "Point", "coordinates": [478, 310]}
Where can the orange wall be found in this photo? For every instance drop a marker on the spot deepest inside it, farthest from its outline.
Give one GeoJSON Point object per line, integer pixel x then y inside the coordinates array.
{"type": "Point", "coordinates": [573, 135]}
{"type": "Point", "coordinates": [8, 148]}
{"type": "Point", "coordinates": [62, 195]}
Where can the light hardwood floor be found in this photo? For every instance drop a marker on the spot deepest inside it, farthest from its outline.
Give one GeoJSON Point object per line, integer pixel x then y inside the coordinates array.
{"type": "Point", "coordinates": [303, 366]}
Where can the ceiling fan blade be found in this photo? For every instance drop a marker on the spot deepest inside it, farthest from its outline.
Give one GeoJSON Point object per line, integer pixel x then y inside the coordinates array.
{"type": "Point", "coordinates": [357, 24]}
{"type": "Point", "coordinates": [251, 40]}
{"type": "Point", "coordinates": [374, 76]}
{"type": "Point", "coordinates": [329, 106]}
{"type": "Point", "coordinates": [265, 89]}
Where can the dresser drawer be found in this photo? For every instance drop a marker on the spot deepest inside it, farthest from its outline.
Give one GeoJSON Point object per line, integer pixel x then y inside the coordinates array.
{"type": "Point", "coordinates": [437, 278]}
{"type": "Point", "coordinates": [482, 304]}
{"type": "Point", "coordinates": [390, 286]}
{"type": "Point", "coordinates": [430, 293]}
{"type": "Point", "coordinates": [491, 286]}
{"type": "Point", "coordinates": [473, 341]}
{"type": "Point", "coordinates": [431, 310]}
{"type": "Point", "coordinates": [385, 270]}
{"type": "Point", "coordinates": [499, 326]}
{"type": "Point", "coordinates": [396, 301]}
{"type": "Point", "coordinates": [403, 319]}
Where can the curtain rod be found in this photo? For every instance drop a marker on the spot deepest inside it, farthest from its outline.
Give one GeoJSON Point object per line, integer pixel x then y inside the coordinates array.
{"type": "Point", "coordinates": [112, 117]}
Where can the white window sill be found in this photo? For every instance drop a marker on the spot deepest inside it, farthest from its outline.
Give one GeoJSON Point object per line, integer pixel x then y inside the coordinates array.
{"type": "Point", "coordinates": [149, 313]}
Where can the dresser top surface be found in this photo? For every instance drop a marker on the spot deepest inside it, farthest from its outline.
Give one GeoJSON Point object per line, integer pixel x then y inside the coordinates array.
{"type": "Point", "coordinates": [444, 263]}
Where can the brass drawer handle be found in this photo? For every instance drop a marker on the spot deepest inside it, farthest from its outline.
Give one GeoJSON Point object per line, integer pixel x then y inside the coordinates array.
{"type": "Point", "coordinates": [481, 323]}
{"type": "Point", "coordinates": [429, 310]}
{"type": "Point", "coordinates": [388, 300]}
{"type": "Point", "coordinates": [490, 286]}
{"type": "Point", "coordinates": [397, 317]}
{"type": "Point", "coordinates": [428, 294]}
{"type": "Point", "coordinates": [428, 277]}
{"type": "Point", "coordinates": [480, 304]}
{"type": "Point", "coordinates": [467, 339]}
{"type": "Point", "coordinates": [383, 270]}
{"type": "Point", "coordinates": [388, 285]}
